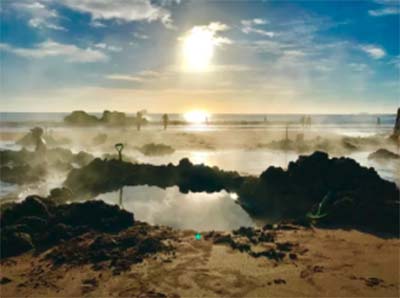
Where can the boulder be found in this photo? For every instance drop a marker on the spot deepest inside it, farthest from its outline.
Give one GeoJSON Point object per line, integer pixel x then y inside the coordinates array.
{"type": "Point", "coordinates": [38, 222]}
{"type": "Point", "coordinates": [15, 243]}
{"type": "Point", "coordinates": [383, 154]}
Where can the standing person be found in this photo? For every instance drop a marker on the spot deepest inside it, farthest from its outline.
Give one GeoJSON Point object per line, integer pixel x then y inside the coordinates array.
{"type": "Point", "coordinates": [378, 121]}
{"type": "Point", "coordinates": [139, 119]}
{"type": "Point", "coordinates": [165, 121]}
{"type": "Point", "coordinates": [396, 129]}
{"type": "Point", "coordinates": [40, 143]}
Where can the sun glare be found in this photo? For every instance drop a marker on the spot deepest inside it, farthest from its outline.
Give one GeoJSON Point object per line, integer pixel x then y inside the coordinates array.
{"type": "Point", "coordinates": [198, 49]}
{"type": "Point", "coordinates": [196, 116]}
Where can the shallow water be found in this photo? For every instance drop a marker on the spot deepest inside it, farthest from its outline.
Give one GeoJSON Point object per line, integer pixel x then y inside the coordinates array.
{"type": "Point", "coordinates": [198, 211]}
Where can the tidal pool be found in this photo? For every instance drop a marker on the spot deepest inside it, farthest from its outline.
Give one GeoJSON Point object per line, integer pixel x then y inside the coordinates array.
{"type": "Point", "coordinates": [197, 211]}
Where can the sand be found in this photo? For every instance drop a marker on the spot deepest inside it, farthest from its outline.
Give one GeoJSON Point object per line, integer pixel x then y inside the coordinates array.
{"type": "Point", "coordinates": [330, 263]}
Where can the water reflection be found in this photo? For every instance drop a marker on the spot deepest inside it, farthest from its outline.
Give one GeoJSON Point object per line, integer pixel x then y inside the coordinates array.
{"type": "Point", "coordinates": [198, 211]}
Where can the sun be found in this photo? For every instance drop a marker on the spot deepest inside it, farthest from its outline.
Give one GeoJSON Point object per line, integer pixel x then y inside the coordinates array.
{"type": "Point", "coordinates": [196, 116]}
{"type": "Point", "coordinates": [198, 49]}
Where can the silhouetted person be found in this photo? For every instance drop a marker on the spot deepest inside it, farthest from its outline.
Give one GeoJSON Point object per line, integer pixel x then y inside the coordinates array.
{"type": "Point", "coordinates": [396, 129]}
{"type": "Point", "coordinates": [303, 120]}
{"type": "Point", "coordinates": [40, 143]}
{"type": "Point", "coordinates": [378, 121]}
{"type": "Point", "coordinates": [165, 119]}
{"type": "Point", "coordinates": [139, 119]}
{"type": "Point", "coordinates": [287, 133]}
{"type": "Point", "coordinates": [308, 121]}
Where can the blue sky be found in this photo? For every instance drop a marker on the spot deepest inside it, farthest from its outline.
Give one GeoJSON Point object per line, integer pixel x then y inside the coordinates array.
{"type": "Point", "coordinates": [267, 56]}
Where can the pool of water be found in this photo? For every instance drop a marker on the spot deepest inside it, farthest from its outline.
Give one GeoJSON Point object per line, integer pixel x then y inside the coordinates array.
{"type": "Point", "coordinates": [197, 211]}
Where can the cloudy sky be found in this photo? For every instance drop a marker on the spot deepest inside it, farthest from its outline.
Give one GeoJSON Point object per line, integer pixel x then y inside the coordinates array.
{"type": "Point", "coordinates": [219, 56]}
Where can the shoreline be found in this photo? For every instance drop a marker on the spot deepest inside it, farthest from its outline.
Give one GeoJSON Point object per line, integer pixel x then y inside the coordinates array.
{"type": "Point", "coordinates": [281, 260]}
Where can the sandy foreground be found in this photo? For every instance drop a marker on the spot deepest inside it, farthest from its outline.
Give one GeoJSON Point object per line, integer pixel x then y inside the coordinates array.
{"type": "Point", "coordinates": [329, 263]}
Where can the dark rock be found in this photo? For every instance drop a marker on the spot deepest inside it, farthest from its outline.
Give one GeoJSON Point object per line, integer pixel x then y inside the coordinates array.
{"type": "Point", "coordinates": [94, 214]}
{"type": "Point", "coordinates": [279, 281]}
{"type": "Point", "coordinates": [5, 280]}
{"type": "Point", "coordinates": [242, 247]}
{"type": "Point", "coordinates": [223, 239]}
{"type": "Point", "coordinates": [245, 231]}
{"type": "Point", "coordinates": [373, 281]}
{"type": "Point", "coordinates": [80, 118]}
{"type": "Point", "coordinates": [360, 194]}
{"type": "Point", "coordinates": [271, 254]}
{"type": "Point", "coordinates": [20, 167]}
{"type": "Point", "coordinates": [31, 206]}
{"type": "Point", "coordinates": [62, 194]}
{"type": "Point", "coordinates": [156, 149]}
{"type": "Point", "coordinates": [21, 174]}
{"type": "Point", "coordinates": [59, 232]}
{"type": "Point", "coordinates": [150, 246]}
{"type": "Point", "coordinates": [383, 154]}
{"type": "Point", "coordinates": [35, 224]}
{"type": "Point", "coordinates": [285, 246]}
{"type": "Point", "coordinates": [15, 243]}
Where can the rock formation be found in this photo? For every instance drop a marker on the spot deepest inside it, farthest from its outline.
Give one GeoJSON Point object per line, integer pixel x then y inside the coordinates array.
{"type": "Point", "coordinates": [361, 197]}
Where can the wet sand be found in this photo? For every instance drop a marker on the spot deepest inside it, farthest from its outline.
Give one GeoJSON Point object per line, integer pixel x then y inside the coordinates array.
{"type": "Point", "coordinates": [328, 263]}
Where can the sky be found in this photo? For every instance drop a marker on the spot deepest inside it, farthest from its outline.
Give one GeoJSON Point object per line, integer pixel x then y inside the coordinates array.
{"type": "Point", "coordinates": [218, 56]}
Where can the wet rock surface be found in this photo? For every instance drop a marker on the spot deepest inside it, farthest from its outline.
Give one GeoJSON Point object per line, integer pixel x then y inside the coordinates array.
{"type": "Point", "coordinates": [107, 175]}
{"type": "Point", "coordinates": [116, 251]}
{"type": "Point", "coordinates": [259, 243]}
{"type": "Point", "coordinates": [360, 198]}
{"type": "Point", "coordinates": [156, 149]}
{"type": "Point", "coordinates": [26, 166]}
{"type": "Point", "coordinates": [383, 154]}
{"type": "Point", "coordinates": [37, 223]}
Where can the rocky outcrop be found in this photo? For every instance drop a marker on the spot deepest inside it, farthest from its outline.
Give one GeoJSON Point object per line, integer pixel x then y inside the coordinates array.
{"type": "Point", "coordinates": [81, 118]}
{"type": "Point", "coordinates": [109, 118]}
{"type": "Point", "coordinates": [25, 166]}
{"type": "Point", "coordinates": [29, 140]}
{"type": "Point", "coordinates": [38, 222]}
{"type": "Point", "coordinates": [156, 149]}
{"type": "Point", "coordinates": [383, 154]}
{"type": "Point", "coordinates": [361, 197]}
{"type": "Point", "coordinates": [107, 175]}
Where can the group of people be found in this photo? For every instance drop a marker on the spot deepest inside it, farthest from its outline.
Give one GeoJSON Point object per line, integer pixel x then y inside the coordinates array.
{"type": "Point", "coordinates": [139, 120]}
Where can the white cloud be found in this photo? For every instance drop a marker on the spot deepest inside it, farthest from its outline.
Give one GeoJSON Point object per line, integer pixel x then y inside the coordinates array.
{"type": "Point", "coordinates": [395, 61]}
{"type": "Point", "coordinates": [140, 36]}
{"type": "Point", "coordinates": [250, 26]}
{"type": "Point", "coordinates": [97, 24]}
{"type": "Point", "coordinates": [375, 52]}
{"type": "Point", "coordinates": [139, 77]}
{"type": "Point", "coordinates": [108, 47]}
{"type": "Point", "coordinates": [124, 10]}
{"type": "Point", "coordinates": [123, 77]}
{"type": "Point", "coordinates": [384, 11]}
{"type": "Point", "coordinates": [40, 16]}
{"type": "Point", "coordinates": [388, 7]}
{"type": "Point", "coordinates": [51, 48]}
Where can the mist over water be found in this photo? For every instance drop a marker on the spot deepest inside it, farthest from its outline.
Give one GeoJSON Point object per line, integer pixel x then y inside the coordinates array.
{"type": "Point", "coordinates": [237, 145]}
